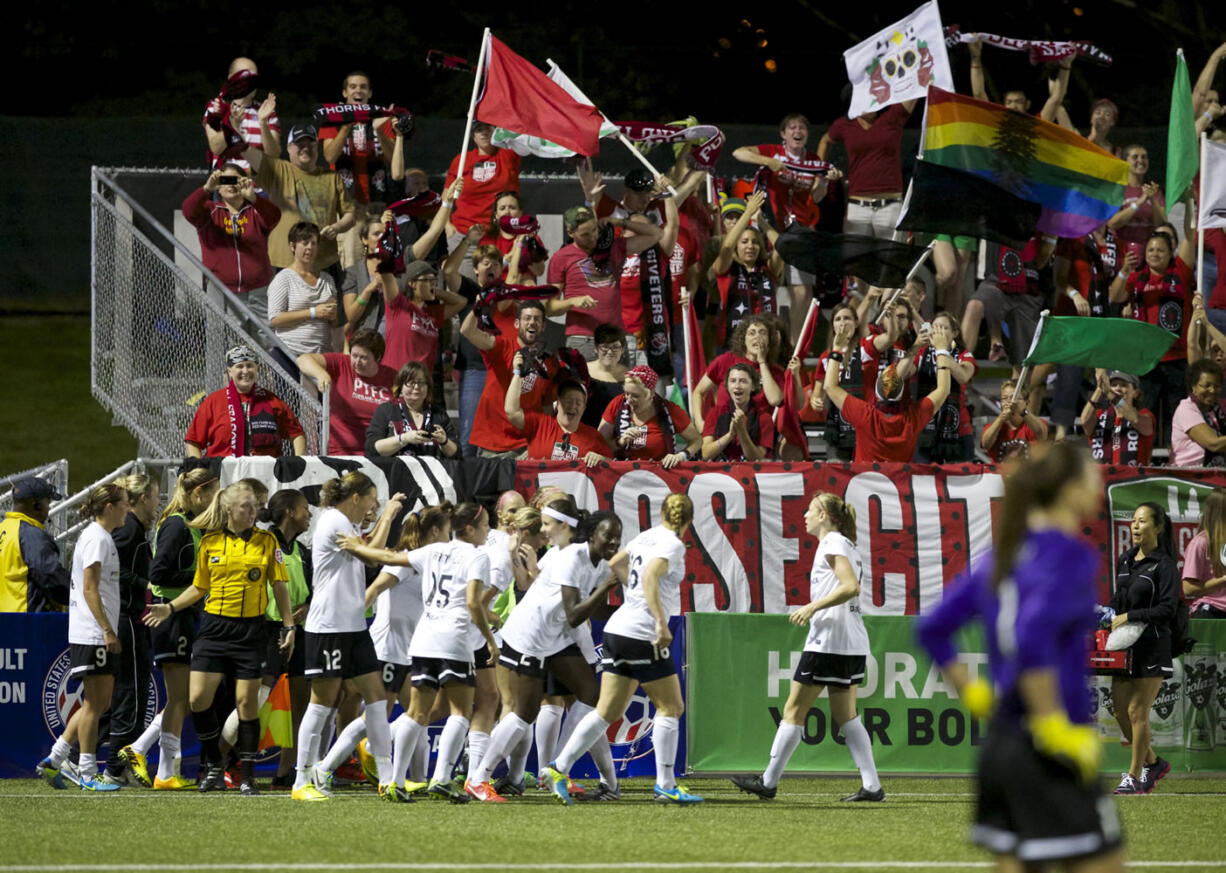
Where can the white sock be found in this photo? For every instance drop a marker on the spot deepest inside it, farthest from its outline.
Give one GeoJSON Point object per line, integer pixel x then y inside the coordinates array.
{"type": "Point", "coordinates": [581, 739]}
{"type": "Point", "coordinates": [309, 738]}
{"type": "Point", "coordinates": [88, 766]}
{"type": "Point", "coordinates": [504, 736]}
{"type": "Point", "coordinates": [861, 749]}
{"type": "Point", "coordinates": [478, 742]}
{"type": "Point", "coordinates": [59, 752]}
{"type": "Point", "coordinates": [146, 740]}
{"type": "Point", "coordinates": [548, 727]}
{"type": "Point", "coordinates": [574, 714]}
{"type": "Point", "coordinates": [168, 746]}
{"type": "Point", "coordinates": [344, 745]}
{"type": "Point", "coordinates": [664, 736]}
{"type": "Point", "coordinates": [603, 756]}
{"type": "Point", "coordinates": [449, 746]}
{"type": "Point", "coordinates": [420, 768]}
{"type": "Point", "coordinates": [518, 758]}
{"type": "Point", "coordinates": [787, 738]}
{"type": "Point", "coordinates": [401, 751]}
{"type": "Point", "coordinates": [328, 732]}
{"type": "Point", "coordinates": [379, 733]}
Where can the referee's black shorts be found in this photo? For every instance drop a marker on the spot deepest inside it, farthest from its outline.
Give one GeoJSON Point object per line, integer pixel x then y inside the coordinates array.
{"type": "Point", "coordinates": [229, 645]}
{"type": "Point", "coordinates": [1033, 807]}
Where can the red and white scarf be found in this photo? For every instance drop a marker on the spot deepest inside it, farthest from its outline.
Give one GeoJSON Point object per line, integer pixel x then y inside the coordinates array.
{"type": "Point", "coordinates": [243, 438]}
{"type": "Point", "coordinates": [703, 156]}
{"type": "Point", "coordinates": [1041, 51]}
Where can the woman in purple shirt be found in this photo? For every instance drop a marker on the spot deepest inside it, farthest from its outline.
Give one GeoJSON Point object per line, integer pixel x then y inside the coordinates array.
{"type": "Point", "coordinates": [1039, 799]}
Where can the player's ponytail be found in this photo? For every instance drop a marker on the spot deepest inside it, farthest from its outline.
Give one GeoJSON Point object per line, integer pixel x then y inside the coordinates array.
{"type": "Point", "coordinates": [677, 513]}
{"type": "Point", "coordinates": [840, 512]}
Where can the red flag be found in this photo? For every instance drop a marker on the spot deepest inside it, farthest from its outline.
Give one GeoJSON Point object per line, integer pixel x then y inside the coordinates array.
{"type": "Point", "coordinates": [695, 359]}
{"type": "Point", "coordinates": [787, 416]}
{"type": "Point", "coordinates": [520, 98]}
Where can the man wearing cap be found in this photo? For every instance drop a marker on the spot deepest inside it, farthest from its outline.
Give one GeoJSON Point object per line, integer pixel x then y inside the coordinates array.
{"type": "Point", "coordinates": [889, 429]}
{"type": "Point", "coordinates": [559, 437]}
{"type": "Point", "coordinates": [415, 314]}
{"type": "Point", "coordinates": [32, 579]}
{"type": "Point", "coordinates": [1120, 434]}
{"type": "Point", "coordinates": [638, 190]}
{"type": "Point", "coordinates": [588, 271]}
{"type": "Point", "coordinates": [242, 418]}
{"type": "Point", "coordinates": [303, 191]}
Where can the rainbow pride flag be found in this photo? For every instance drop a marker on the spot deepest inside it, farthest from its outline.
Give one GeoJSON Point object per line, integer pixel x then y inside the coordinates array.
{"type": "Point", "coordinates": [1078, 184]}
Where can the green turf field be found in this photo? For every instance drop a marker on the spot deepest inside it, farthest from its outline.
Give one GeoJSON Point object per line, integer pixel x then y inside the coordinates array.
{"type": "Point", "coordinates": [922, 825]}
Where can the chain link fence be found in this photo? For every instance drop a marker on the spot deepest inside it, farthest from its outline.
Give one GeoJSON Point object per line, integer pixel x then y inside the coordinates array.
{"type": "Point", "coordinates": [159, 337]}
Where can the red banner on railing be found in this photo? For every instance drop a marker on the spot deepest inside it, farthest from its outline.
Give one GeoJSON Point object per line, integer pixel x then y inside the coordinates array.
{"type": "Point", "coordinates": [917, 525]}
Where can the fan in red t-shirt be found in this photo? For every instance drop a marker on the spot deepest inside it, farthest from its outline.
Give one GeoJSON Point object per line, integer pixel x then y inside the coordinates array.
{"type": "Point", "coordinates": [1012, 432]}
{"type": "Point", "coordinates": [559, 437]}
{"type": "Point", "coordinates": [643, 426]}
{"type": "Point", "coordinates": [888, 429]}
{"type": "Point", "coordinates": [487, 171]}
{"type": "Point", "coordinates": [242, 418]}
{"type": "Point", "coordinates": [740, 428]}
{"type": "Point", "coordinates": [752, 343]}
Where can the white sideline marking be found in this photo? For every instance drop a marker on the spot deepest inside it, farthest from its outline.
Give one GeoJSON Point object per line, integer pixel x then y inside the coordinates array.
{"type": "Point", "coordinates": [624, 865]}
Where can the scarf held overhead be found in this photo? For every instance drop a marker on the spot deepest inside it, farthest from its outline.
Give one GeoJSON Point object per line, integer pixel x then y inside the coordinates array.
{"type": "Point", "coordinates": [1041, 51]}
{"type": "Point", "coordinates": [709, 139]}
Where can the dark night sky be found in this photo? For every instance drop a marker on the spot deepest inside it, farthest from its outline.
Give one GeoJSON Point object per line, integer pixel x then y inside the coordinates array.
{"type": "Point", "coordinates": [657, 62]}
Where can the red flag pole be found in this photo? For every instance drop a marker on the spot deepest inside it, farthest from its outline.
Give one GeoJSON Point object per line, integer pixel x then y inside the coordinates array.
{"type": "Point", "coordinates": [685, 332]}
{"type": "Point", "coordinates": [472, 103]}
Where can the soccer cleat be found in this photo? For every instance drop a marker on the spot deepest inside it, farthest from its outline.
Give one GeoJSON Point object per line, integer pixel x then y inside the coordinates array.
{"type": "Point", "coordinates": [322, 779]}
{"type": "Point", "coordinates": [234, 775]}
{"type": "Point", "coordinates": [529, 779]}
{"type": "Point", "coordinates": [674, 795]}
{"type": "Point", "coordinates": [504, 785]}
{"type": "Point", "coordinates": [71, 773]}
{"type": "Point", "coordinates": [174, 783]}
{"type": "Point", "coordinates": [248, 788]}
{"type": "Point", "coordinates": [863, 795]}
{"type": "Point", "coordinates": [754, 785]}
{"type": "Point", "coordinates": [138, 764]}
{"type": "Point", "coordinates": [557, 784]}
{"type": "Point", "coordinates": [120, 780]}
{"type": "Point", "coordinates": [1155, 771]}
{"type": "Point", "coordinates": [212, 778]}
{"type": "Point", "coordinates": [446, 790]}
{"type": "Point", "coordinates": [308, 792]}
{"type": "Point", "coordinates": [348, 773]}
{"type": "Point", "coordinates": [393, 793]}
{"type": "Point", "coordinates": [484, 792]}
{"type": "Point", "coordinates": [575, 789]}
{"type": "Point", "coordinates": [94, 783]}
{"type": "Point", "coordinates": [603, 792]}
{"type": "Point", "coordinates": [1128, 785]}
{"type": "Point", "coordinates": [369, 769]}
{"type": "Point", "coordinates": [51, 774]}
{"type": "Point", "coordinates": [412, 787]}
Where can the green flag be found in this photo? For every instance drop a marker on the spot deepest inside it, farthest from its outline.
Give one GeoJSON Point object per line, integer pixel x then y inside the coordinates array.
{"type": "Point", "coordinates": [1181, 157]}
{"type": "Point", "coordinates": [1111, 343]}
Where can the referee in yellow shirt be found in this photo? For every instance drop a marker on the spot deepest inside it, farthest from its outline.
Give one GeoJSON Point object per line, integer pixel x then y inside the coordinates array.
{"type": "Point", "coordinates": [234, 563]}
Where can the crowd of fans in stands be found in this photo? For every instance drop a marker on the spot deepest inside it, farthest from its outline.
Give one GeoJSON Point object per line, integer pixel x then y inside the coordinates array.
{"type": "Point", "coordinates": [383, 291]}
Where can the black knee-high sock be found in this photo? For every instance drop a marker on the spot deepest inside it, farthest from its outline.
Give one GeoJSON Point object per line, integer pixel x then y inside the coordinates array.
{"type": "Point", "coordinates": [248, 745]}
{"type": "Point", "coordinates": [210, 736]}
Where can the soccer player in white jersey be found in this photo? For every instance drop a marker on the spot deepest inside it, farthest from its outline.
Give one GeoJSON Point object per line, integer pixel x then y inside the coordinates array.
{"type": "Point", "coordinates": [93, 612]}
{"type": "Point", "coordinates": [453, 578]}
{"type": "Point", "coordinates": [338, 646]}
{"type": "Point", "coordinates": [539, 637]}
{"type": "Point", "coordinates": [835, 652]}
{"type": "Point", "coordinates": [636, 651]}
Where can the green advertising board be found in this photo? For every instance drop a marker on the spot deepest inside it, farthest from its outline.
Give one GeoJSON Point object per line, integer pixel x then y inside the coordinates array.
{"type": "Point", "coordinates": [739, 668]}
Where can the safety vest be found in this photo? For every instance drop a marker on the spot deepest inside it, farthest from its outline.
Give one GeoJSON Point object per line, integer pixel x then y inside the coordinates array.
{"type": "Point", "coordinates": [299, 591]}
{"type": "Point", "coordinates": [14, 574]}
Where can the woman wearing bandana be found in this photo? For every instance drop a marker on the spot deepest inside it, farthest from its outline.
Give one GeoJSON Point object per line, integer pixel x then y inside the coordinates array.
{"type": "Point", "coordinates": [642, 426]}
{"type": "Point", "coordinates": [242, 418]}
{"type": "Point", "coordinates": [412, 424]}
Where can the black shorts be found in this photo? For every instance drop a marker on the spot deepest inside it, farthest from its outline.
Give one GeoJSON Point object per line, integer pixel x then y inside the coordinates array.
{"type": "Point", "coordinates": [638, 659]}
{"type": "Point", "coordinates": [90, 660]}
{"type": "Point", "coordinates": [555, 687]}
{"type": "Point", "coordinates": [393, 676]}
{"type": "Point", "coordinates": [230, 645]}
{"type": "Point", "coordinates": [340, 655]}
{"type": "Point", "coordinates": [1033, 807]}
{"type": "Point", "coordinates": [274, 662]}
{"type": "Point", "coordinates": [437, 672]}
{"type": "Point", "coordinates": [171, 641]}
{"type": "Point", "coordinates": [1151, 656]}
{"type": "Point", "coordinates": [481, 658]}
{"type": "Point", "coordinates": [525, 665]}
{"type": "Point", "coordinates": [819, 668]}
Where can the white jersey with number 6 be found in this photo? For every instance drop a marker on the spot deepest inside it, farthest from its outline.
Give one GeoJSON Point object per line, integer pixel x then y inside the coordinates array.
{"type": "Point", "coordinates": [838, 629]}
{"type": "Point", "coordinates": [446, 569]}
{"type": "Point", "coordinates": [633, 619]}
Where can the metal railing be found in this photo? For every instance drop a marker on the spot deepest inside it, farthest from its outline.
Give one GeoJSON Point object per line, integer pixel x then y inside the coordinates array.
{"type": "Point", "coordinates": [64, 523]}
{"type": "Point", "coordinates": [159, 337]}
{"type": "Point", "coordinates": [54, 472]}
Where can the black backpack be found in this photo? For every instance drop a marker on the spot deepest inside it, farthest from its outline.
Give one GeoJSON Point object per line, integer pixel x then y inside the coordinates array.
{"type": "Point", "coordinates": [1181, 643]}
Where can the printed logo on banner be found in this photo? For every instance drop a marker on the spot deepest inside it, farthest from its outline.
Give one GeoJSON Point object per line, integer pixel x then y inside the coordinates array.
{"type": "Point", "coordinates": [1181, 498]}
{"type": "Point", "coordinates": [62, 696]}
{"type": "Point", "coordinates": [626, 735]}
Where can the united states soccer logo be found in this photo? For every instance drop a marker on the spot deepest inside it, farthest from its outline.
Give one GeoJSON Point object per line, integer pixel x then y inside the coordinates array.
{"type": "Point", "coordinates": [627, 734]}
{"type": "Point", "coordinates": [62, 696]}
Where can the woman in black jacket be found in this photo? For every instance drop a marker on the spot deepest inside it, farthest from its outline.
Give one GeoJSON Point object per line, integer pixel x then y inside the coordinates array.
{"type": "Point", "coordinates": [1146, 590]}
